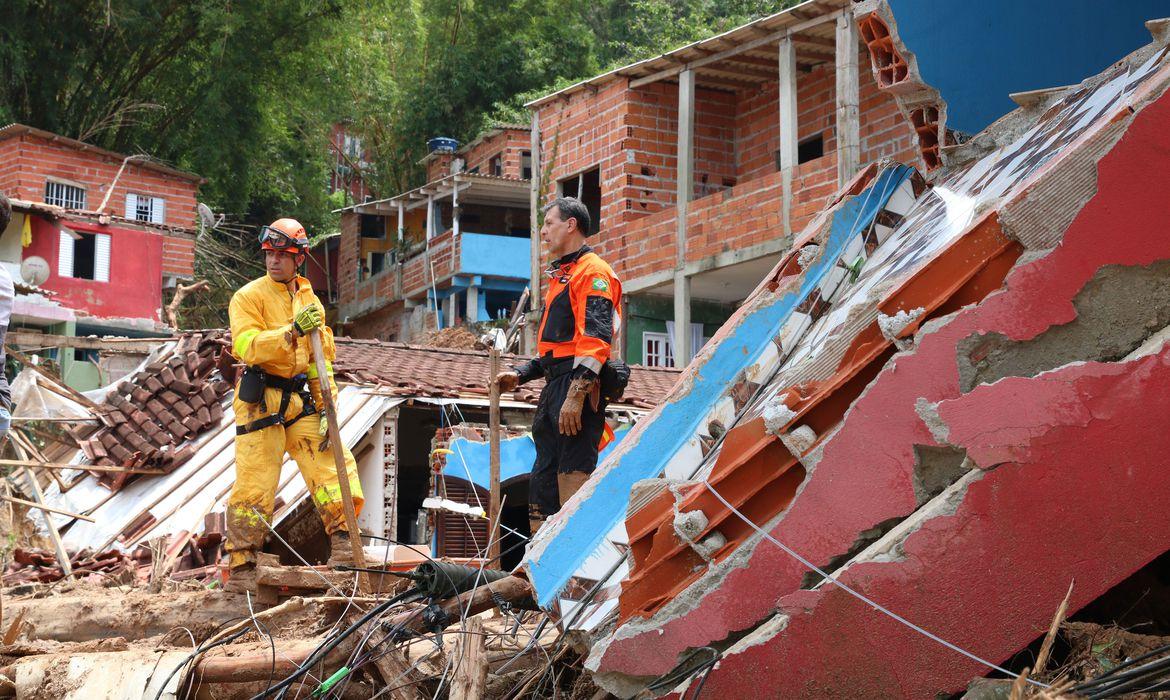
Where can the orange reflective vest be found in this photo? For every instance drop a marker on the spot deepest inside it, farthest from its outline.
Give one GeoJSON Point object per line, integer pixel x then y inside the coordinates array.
{"type": "Point", "coordinates": [582, 310]}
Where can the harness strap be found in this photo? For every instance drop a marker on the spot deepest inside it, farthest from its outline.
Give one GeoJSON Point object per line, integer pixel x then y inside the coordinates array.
{"type": "Point", "coordinates": [287, 388]}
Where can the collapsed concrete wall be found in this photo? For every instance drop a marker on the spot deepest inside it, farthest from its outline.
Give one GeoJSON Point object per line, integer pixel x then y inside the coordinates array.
{"type": "Point", "coordinates": [966, 390]}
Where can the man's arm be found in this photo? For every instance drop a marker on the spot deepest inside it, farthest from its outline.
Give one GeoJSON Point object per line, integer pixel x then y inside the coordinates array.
{"type": "Point", "coordinates": [520, 374]}
{"type": "Point", "coordinates": [595, 297]}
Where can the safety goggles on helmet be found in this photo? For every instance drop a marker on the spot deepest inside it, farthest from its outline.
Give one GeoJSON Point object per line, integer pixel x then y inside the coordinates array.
{"type": "Point", "coordinates": [277, 239]}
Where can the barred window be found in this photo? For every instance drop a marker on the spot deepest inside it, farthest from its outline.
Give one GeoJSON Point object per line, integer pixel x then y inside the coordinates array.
{"type": "Point", "coordinates": [63, 195]}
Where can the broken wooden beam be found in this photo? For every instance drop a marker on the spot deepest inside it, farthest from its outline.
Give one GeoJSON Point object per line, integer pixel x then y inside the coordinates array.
{"type": "Point", "coordinates": [471, 662]}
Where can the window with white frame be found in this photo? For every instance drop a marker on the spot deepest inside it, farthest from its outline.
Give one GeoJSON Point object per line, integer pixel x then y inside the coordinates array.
{"type": "Point", "coordinates": [62, 194]}
{"type": "Point", "coordinates": [84, 255]}
{"type": "Point", "coordinates": [656, 350]}
{"type": "Point", "coordinates": [140, 207]}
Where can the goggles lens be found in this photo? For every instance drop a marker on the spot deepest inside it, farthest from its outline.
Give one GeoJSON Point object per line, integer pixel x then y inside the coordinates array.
{"type": "Point", "coordinates": [276, 239]}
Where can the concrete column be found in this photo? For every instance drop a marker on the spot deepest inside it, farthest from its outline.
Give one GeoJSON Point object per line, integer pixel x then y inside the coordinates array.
{"type": "Point", "coordinates": [401, 220]}
{"type": "Point", "coordinates": [472, 306]}
{"type": "Point", "coordinates": [788, 127]}
{"type": "Point", "coordinates": [451, 308]}
{"type": "Point", "coordinates": [685, 191]}
{"type": "Point", "coordinates": [455, 209]}
{"type": "Point", "coordinates": [430, 216]}
{"type": "Point", "coordinates": [534, 236]}
{"type": "Point", "coordinates": [848, 116]}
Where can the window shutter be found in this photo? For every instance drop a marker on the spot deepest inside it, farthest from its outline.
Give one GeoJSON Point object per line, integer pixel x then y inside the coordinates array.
{"type": "Point", "coordinates": [158, 210]}
{"type": "Point", "coordinates": [101, 257]}
{"type": "Point", "coordinates": [65, 254]}
{"type": "Point", "coordinates": [131, 206]}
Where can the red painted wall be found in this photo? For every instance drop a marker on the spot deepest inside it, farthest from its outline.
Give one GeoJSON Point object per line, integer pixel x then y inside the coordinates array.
{"type": "Point", "coordinates": [136, 268]}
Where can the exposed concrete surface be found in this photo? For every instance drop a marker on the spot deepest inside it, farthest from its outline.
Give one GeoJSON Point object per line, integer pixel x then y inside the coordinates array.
{"type": "Point", "coordinates": [993, 558]}
{"type": "Point", "coordinates": [866, 474]}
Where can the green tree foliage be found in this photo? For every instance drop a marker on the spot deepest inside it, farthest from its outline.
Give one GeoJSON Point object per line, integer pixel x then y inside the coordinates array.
{"type": "Point", "coordinates": [244, 93]}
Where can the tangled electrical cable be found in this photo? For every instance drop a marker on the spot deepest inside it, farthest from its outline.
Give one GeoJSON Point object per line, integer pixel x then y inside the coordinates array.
{"type": "Point", "coordinates": [1129, 677]}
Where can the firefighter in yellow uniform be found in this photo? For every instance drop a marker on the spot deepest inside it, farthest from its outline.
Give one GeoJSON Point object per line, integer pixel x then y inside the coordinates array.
{"type": "Point", "coordinates": [278, 403]}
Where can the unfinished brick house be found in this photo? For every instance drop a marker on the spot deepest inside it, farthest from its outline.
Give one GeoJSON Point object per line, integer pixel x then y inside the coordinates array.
{"type": "Point", "coordinates": [99, 235]}
{"type": "Point", "coordinates": [453, 251]}
{"type": "Point", "coordinates": [775, 116]}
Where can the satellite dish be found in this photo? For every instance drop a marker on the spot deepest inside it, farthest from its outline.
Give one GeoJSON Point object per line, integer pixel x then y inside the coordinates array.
{"type": "Point", "coordinates": [35, 270]}
{"type": "Point", "coordinates": [207, 216]}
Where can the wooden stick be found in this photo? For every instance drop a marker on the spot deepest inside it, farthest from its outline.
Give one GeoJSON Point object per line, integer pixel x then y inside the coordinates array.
{"type": "Point", "coordinates": [494, 449]}
{"type": "Point", "coordinates": [355, 534]}
{"type": "Point", "coordinates": [1046, 646]}
{"type": "Point", "coordinates": [51, 509]}
{"type": "Point", "coordinates": [62, 555]}
{"type": "Point", "coordinates": [81, 467]}
{"type": "Point", "coordinates": [471, 666]}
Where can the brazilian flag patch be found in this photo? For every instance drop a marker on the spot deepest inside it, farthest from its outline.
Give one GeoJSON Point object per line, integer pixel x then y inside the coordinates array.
{"type": "Point", "coordinates": [600, 284]}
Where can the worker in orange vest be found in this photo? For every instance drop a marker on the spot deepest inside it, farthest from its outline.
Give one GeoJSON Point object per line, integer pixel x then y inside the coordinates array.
{"type": "Point", "coordinates": [277, 403]}
{"type": "Point", "coordinates": [582, 313]}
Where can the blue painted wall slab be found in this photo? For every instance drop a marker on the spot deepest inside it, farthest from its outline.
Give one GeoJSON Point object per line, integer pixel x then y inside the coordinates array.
{"type": "Point", "coordinates": [977, 53]}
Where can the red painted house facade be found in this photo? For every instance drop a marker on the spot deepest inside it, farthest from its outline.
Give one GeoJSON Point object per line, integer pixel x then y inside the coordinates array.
{"type": "Point", "coordinates": [112, 233]}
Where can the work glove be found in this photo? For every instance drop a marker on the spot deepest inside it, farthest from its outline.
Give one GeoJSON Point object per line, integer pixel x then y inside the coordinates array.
{"type": "Point", "coordinates": [308, 319]}
{"type": "Point", "coordinates": [570, 419]}
{"type": "Point", "coordinates": [508, 381]}
{"type": "Point", "coordinates": [5, 423]}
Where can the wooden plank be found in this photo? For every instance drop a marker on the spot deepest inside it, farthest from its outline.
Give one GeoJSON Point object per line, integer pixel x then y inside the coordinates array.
{"type": "Point", "coordinates": [848, 114]}
{"type": "Point", "coordinates": [30, 504]}
{"type": "Point", "coordinates": [471, 662]}
{"type": "Point", "coordinates": [745, 46]}
{"type": "Point", "coordinates": [355, 533]}
{"type": "Point", "coordinates": [494, 449]}
{"type": "Point", "coordinates": [58, 545]}
{"type": "Point", "coordinates": [133, 346]}
{"type": "Point", "coordinates": [83, 467]}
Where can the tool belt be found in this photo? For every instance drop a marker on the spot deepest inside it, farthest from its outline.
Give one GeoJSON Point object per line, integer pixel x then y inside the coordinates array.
{"type": "Point", "coordinates": [615, 374]}
{"type": "Point", "coordinates": [251, 388]}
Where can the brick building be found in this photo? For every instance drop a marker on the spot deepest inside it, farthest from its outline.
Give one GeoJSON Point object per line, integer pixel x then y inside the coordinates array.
{"type": "Point", "coordinates": [349, 164]}
{"type": "Point", "coordinates": [95, 239]}
{"type": "Point", "coordinates": [453, 251]}
{"type": "Point", "coordinates": [777, 114]}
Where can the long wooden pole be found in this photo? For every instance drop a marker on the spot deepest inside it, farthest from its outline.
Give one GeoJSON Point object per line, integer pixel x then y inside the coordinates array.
{"type": "Point", "coordinates": [62, 555]}
{"type": "Point", "coordinates": [355, 534]}
{"type": "Point", "coordinates": [80, 467]}
{"type": "Point", "coordinates": [41, 506]}
{"type": "Point", "coordinates": [494, 450]}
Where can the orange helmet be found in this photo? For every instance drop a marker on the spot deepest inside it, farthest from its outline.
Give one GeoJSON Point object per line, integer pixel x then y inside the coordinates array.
{"type": "Point", "coordinates": [285, 235]}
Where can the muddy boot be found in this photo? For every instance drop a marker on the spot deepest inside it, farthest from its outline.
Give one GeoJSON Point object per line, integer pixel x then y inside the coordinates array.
{"type": "Point", "coordinates": [241, 579]}
{"type": "Point", "coordinates": [340, 549]}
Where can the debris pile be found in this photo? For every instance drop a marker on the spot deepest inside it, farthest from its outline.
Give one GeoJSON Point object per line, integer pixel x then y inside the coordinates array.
{"type": "Point", "coordinates": [41, 566]}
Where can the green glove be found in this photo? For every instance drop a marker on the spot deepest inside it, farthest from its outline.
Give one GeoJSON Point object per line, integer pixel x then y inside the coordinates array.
{"type": "Point", "coordinates": [323, 426]}
{"type": "Point", "coordinates": [308, 318]}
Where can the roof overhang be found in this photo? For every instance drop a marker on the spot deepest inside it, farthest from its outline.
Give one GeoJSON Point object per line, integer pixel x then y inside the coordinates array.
{"type": "Point", "coordinates": [741, 58]}
{"type": "Point", "coordinates": [489, 190]}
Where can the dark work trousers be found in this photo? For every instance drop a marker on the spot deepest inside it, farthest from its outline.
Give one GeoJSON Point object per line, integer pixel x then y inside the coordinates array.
{"type": "Point", "coordinates": [560, 453]}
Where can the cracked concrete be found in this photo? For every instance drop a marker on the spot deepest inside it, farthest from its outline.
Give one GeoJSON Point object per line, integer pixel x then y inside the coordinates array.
{"type": "Point", "coordinates": [1116, 311]}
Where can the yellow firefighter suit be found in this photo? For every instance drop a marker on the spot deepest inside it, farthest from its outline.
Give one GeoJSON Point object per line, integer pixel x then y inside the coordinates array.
{"type": "Point", "coordinates": [261, 315]}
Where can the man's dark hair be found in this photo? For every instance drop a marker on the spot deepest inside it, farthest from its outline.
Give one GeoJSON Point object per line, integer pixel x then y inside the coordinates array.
{"type": "Point", "coordinates": [5, 212]}
{"type": "Point", "coordinates": [572, 208]}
